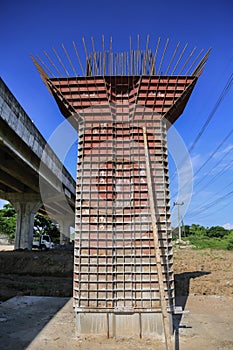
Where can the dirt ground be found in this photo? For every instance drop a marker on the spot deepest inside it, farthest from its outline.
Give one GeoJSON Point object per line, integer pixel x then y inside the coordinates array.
{"type": "Point", "coordinates": [203, 284]}
{"type": "Point", "coordinates": [34, 272]}
{"type": "Point", "coordinates": [204, 272]}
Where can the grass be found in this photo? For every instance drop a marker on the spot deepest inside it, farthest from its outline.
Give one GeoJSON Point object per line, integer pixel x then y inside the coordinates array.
{"type": "Point", "coordinates": [203, 242]}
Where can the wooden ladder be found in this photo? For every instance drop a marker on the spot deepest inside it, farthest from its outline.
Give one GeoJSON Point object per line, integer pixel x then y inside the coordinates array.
{"type": "Point", "coordinates": [165, 318]}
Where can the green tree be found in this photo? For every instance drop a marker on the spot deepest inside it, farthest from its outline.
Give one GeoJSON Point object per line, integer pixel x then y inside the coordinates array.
{"type": "Point", "coordinates": [8, 221]}
{"type": "Point", "coordinates": [44, 225]}
{"type": "Point", "coordinates": [217, 232]}
{"type": "Point", "coordinates": [185, 229]}
{"type": "Point", "coordinates": [197, 230]}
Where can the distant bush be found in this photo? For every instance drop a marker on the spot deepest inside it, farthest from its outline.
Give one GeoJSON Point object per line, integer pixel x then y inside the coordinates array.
{"type": "Point", "coordinates": [201, 242]}
{"type": "Point", "coordinates": [230, 244]}
{"type": "Point", "coordinates": [215, 237]}
{"type": "Point", "coordinates": [230, 241]}
{"type": "Point", "coordinates": [217, 232]}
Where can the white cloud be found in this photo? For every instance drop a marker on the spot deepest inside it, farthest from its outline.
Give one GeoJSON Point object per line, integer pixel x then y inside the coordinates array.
{"type": "Point", "coordinates": [197, 160]}
{"type": "Point", "coordinates": [228, 226]}
{"type": "Point", "coordinates": [221, 153]}
{"type": "Point", "coordinates": [2, 203]}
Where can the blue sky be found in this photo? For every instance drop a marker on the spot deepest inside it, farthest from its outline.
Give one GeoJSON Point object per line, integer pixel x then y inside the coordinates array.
{"type": "Point", "coordinates": [29, 27]}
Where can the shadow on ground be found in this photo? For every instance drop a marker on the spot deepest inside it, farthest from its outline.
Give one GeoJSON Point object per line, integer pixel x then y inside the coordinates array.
{"type": "Point", "coordinates": [23, 318]}
{"type": "Point", "coordinates": [182, 287]}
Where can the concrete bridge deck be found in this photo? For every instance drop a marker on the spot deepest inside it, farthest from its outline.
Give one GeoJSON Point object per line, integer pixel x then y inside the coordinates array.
{"type": "Point", "coordinates": [32, 177]}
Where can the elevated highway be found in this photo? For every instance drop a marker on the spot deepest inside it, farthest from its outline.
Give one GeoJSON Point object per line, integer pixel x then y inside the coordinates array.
{"type": "Point", "coordinates": [32, 177]}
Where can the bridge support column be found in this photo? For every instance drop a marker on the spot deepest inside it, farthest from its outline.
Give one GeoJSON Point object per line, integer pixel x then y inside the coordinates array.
{"type": "Point", "coordinates": [64, 226]}
{"type": "Point", "coordinates": [26, 207]}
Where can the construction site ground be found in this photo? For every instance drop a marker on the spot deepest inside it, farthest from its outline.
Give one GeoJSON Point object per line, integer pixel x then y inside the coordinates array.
{"type": "Point", "coordinates": [36, 302]}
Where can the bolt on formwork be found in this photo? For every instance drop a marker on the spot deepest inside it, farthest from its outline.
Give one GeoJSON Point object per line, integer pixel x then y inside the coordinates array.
{"type": "Point", "coordinates": [122, 105]}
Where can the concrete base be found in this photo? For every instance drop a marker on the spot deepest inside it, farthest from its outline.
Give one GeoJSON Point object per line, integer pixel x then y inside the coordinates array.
{"type": "Point", "coordinates": [118, 325]}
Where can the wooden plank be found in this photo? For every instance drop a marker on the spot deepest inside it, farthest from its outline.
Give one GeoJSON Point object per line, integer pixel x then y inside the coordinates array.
{"type": "Point", "coordinates": [166, 326]}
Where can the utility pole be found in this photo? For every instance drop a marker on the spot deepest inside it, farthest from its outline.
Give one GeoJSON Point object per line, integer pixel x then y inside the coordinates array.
{"type": "Point", "coordinates": [179, 204]}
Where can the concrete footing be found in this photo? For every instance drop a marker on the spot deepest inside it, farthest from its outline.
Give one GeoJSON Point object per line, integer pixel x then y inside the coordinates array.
{"type": "Point", "coordinates": [119, 325]}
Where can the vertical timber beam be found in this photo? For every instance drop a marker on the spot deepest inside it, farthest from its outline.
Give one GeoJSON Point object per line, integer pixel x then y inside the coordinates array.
{"type": "Point", "coordinates": [165, 318]}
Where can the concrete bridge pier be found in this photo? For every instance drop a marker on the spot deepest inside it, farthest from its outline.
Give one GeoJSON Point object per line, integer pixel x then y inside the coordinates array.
{"type": "Point", "coordinates": [65, 223]}
{"type": "Point", "coordinates": [26, 207]}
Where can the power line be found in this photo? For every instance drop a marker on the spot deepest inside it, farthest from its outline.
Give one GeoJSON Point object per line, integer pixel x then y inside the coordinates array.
{"type": "Point", "coordinates": [220, 99]}
{"type": "Point", "coordinates": [208, 159]}
{"type": "Point", "coordinates": [214, 167]}
{"type": "Point", "coordinates": [211, 204]}
{"type": "Point", "coordinates": [203, 214]}
{"type": "Point", "coordinates": [225, 187]}
{"type": "Point", "coordinates": [218, 175]}
{"type": "Point", "coordinates": [205, 125]}
{"type": "Point", "coordinates": [208, 206]}
{"type": "Point", "coordinates": [213, 153]}
{"type": "Point", "coordinates": [209, 118]}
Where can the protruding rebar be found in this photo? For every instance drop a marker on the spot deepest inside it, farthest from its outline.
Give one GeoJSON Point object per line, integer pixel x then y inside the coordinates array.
{"type": "Point", "coordinates": [59, 73]}
{"type": "Point", "coordinates": [172, 59]}
{"type": "Point", "coordinates": [162, 58]}
{"type": "Point", "coordinates": [178, 61]}
{"type": "Point", "coordinates": [60, 61]}
{"type": "Point", "coordinates": [69, 60]}
{"type": "Point", "coordinates": [79, 61]}
{"type": "Point", "coordinates": [136, 62]}
{"type": "Point", "coordinates": [153, 68]}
